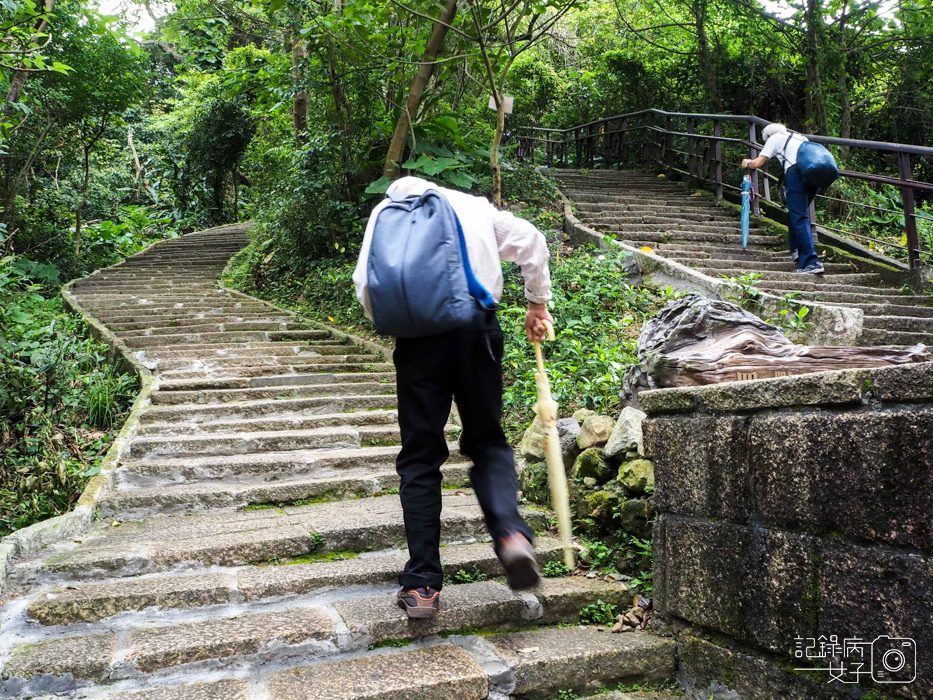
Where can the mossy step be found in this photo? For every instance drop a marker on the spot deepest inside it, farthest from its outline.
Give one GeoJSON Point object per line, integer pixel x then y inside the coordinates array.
{"type": "Point", "coordinates": [219, 396]}
{"type": "Point", "coordinates": [287, 374]}
{"type": "Point", "coordinates": [209, 496]}
{"type": "Point", "coordinates": [309, 406]}
{"type": "Point", "coordinates": [580, 656]}
{"type": "Point", "coordinates": [263, 467]}
{"type": "Point", "coordinates": [92, 602]}
{"type": "Point", "coordinates": [244, 537]}
{"type": "Point", "coordinates": [268, 423]}
{"type": "Point", "coordinates": [340, 437]}
{"type": "Point", "coordinates": [325, 375]}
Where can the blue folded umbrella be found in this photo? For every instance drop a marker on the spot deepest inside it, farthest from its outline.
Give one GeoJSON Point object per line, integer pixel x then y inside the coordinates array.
{"type": "Point", "coordinates": [746, 208]}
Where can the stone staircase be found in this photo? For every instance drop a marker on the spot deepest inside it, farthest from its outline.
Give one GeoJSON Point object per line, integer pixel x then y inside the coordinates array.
{"type": "Point", "coordinates": [250, 544]}
{"type": "Point", "coordinates": [643, 210]}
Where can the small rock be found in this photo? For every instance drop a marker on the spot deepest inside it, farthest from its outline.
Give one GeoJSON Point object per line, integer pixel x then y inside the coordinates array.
{"type": "Point", "coordinates": [634, 517]}
{"type": "Point", "coordinates": [590, 482]}
{"type": "Point", "coordinates": [568, 429]}
{"type": "Point", "coordinates": [533, 441]}
{"type": "Point", "coordinates": [582, 414]}
{"type": "Point", "coordinates": [533, 482]}
{"type": "Point", "coordinates": [592, 463]}
{"type": "Point", "coordinates": [637, 476]}
{"type": "Point", "coordinates": [630, 455]}
{"type": "Point", "coordinates": [626, 433]}
{"type": "Point", "coordinates": [595, 432]}
{"type": "Point", "coordinates": [591, 575]}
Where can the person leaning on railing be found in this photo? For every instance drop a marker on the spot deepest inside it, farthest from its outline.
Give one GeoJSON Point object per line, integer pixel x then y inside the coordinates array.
{"type": "Point", "coordinates": [798, 194]}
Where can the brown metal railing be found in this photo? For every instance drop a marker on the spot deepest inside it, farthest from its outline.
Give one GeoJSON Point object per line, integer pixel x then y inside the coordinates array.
{"type": "Point", "coordinates": [711, 146]}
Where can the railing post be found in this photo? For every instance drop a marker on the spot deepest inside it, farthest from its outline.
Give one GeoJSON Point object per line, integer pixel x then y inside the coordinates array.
{"type": "Point", "coordinates": [910, 219]}
{"type": "Point", "coordinates": [669, 146]}
{"type": "Point", "coordinates": [752, 153]}
{"type": "Point", "coordinates": [577, 146]}
{"type": "Point", "coordinates": [717, 156]}
{"type": "Point", "coordinates": [548, 149]}
{"type": "Point", "coordinates": [564, 150]}
{"type": "Point", "coordinates": [623, 150]}
{"type": "Point", "coordinates": [645, 135]}
{"type": "Point", "coordinates": [691, 129]}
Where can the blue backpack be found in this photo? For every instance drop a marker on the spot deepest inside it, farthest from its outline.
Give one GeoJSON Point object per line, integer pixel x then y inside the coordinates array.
{"type": "Point", "coordinates": [419, 275]}
{"type": "Point", "coordinates": [816, 164]}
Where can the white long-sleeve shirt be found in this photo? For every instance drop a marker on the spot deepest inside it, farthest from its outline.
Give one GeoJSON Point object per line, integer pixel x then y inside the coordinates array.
{"type": "Point", "coordinates": [491, 235]}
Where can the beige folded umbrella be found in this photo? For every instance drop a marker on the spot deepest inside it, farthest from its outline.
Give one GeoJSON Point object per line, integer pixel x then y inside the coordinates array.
{"type": "Point", "coordinates": [546, 408]}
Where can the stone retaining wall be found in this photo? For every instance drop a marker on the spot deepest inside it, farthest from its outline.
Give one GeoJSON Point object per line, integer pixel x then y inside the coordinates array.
{"type": "Point", "coordinates": [794, 508]}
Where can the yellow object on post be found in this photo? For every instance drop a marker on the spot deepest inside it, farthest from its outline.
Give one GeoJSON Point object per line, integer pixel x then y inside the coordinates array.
{"type": "Point", "coordinates": [546, 408]}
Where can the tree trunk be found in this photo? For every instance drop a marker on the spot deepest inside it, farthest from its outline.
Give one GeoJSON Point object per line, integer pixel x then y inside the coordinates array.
{"type": "Point", "coordinates": [425, 70]}
{"type": "Point", "coordinates": [707, 71]}
{"type": "Point", "coordinates": [494, 148]}
{"type": "Point", "coordinates": [136, 163]}
{"type": "Point", "coordinates": [300, 100]}
{"type": "Point", "coordinates": [816, 110]}
{"type": "Point", "coordinates": [19, 78]}
{"type": "Point", "coordinates": [843, 81]}
{"type": "Point", "coordinates": [84, 194]}
{"type": "Point", "coordinates": [17, 181]}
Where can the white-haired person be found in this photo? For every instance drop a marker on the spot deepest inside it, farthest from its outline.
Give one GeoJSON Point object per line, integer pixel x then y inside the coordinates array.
{"type": "Point", "coordinates": [784, 144]}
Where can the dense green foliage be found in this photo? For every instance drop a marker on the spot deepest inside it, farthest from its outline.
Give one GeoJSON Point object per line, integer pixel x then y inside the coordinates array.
{"type": "Point", "coordinates": [59, 399]}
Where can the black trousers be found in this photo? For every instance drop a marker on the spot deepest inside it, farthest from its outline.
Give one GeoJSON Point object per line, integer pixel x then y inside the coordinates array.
{"type": "Point", "coordinates": [466, 365]}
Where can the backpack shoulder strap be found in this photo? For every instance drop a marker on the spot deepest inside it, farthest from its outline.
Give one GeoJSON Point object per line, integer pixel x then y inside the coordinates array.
{"type": "Point", "coordinates": [783, 154]}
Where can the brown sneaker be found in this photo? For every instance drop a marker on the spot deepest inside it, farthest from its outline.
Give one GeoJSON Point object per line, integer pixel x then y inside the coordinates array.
{"type": "Point", "coordinates": [419, 602]}
{"type": "Point", "coordinates": [519, 561]}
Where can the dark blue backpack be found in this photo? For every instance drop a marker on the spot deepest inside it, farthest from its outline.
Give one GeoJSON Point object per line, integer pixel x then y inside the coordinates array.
{"type": "Point", "coordinates": [419, 276]}
{"type": "Point", "coordinates": [816, 164]}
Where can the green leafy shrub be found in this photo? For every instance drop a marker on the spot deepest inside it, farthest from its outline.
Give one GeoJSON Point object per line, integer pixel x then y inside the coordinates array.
{"type": "Point", "coordinates": [555, 569]}
{"type": "Point", "coordinates": [598, 317]}
{"type": "Point", "coordinates": [598, 613]}
{"type": "Point", "coordinates": [59, 397]}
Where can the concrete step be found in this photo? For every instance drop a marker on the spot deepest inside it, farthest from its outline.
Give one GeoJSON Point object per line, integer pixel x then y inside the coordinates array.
{"type": "Point", "coordinates": [293, 407]}
{"type": "Point", "coordinates": [859, 279]}
{"type": "Point", "coordinates": [210, 326]}
{"type": "Point", "coordinates": [655, 236]}
{"type": "Point", "coordinates": [828, 291]}
{"type": "Point", "coordinates": [902, 323]}
{"type": "Point", "coordinates": [751, 255]}
{"type": "Point", "coordinates": [193, 542]}
{"type": "Point", "coordinates": [267, 467]}
{"type": "Point", "coordinates": [741, 266]}
{"type": "Point", "coordinates": [289, 374]}
{"type": "Point", "coordinates": [209, 496]}
{"type": "Point", "coordinates": [307, 629]}
{"type": "Point", "coordinates": [664, 223]}
{"type": "Point", "coordinates": [877, 336]}
{"type": "Point", "coordinates": [92, 602]}
{"type": "Point", "coordinates": [186, 321]}
{"type": "Point", "coordinates": [270, 377]}
{"type": "Point", "coordinates": [269, 422]}
{"type": "Point", "coordinates": [667, 215]}
{"type": "Point", "coordinates": [197, 350]}
{"type": "Point", "coordinates": [143, 341]}
{"type": "Point", "coordinates": [206, 396]}
{"type": "Point", "coordinates": [249, 357]}
{"type": "Point", "coordinates": [342, 437]}
{"type": "Point", "coordinates": [532, 664]}
{"type": "Point", "coordinates": [891, 309]}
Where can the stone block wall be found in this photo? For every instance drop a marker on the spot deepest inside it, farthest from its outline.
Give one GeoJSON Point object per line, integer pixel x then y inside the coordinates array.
{"type": "Point", "coordinates": [794, 508]}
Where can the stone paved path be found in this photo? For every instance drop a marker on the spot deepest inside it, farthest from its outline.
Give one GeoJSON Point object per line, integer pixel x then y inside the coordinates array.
{"type": "Point", "coordinates": [250, 545]}
{"type": "Point", "coordinates": [643, 210]}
